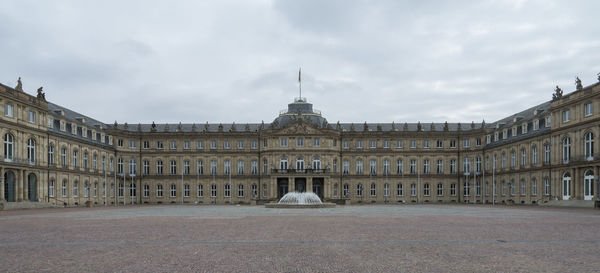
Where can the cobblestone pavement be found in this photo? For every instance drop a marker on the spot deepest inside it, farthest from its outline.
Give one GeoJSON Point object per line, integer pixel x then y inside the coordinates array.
{"type": "Point", "coordinates": [394, 238]}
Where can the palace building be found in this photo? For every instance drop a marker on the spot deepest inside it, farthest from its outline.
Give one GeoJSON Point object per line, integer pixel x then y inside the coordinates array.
{"type": "Point", "coordinates": [54, 155]}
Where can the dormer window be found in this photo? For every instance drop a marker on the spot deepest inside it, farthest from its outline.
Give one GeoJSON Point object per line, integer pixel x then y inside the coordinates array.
{"type": "Point", "coordinates": [524, 128]}
{"type": "Point", "coordinates": [514, 131]}
{"type": "Point", "coordinates": [536, 124]}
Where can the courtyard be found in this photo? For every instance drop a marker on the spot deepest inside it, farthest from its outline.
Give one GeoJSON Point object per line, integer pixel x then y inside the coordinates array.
{"type": "Point", "coordinates": [375, 238]}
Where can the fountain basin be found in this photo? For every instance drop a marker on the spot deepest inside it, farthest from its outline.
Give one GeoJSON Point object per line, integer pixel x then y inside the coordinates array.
{"type": "Point", "coordinates": [300, 200]}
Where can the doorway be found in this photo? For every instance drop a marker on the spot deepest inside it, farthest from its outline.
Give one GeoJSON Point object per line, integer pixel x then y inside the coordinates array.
{"type": "Point", "coordinates": [300, 185]}
{"type": "Point", "coordinates": [588, 185]}
{"type": "Point", "coordinates": [32, 187]}
{"type": "Point", "coordinates": [317, 187]}
{"type": "Point", "coordinates": [566, 185]}
{"type": "Point", "coordinates": [282, 187]}
{"type": "Point", "coordinates": [9, 186]}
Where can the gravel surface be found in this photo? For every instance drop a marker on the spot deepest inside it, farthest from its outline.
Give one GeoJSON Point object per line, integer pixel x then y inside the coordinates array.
{"type": "Point", "coordinates": [378, 238]}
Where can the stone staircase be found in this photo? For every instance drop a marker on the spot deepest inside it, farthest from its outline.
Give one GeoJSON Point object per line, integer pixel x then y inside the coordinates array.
{"type": "Point", "coordinates": [25, 205]}
{"type": "Point", "coordinates": [569, 203]}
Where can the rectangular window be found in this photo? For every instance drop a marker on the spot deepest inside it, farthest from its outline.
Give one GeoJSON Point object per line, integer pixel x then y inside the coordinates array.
{"type": "Point", "coordinates": [159, 190]}
{"type": "Point", "coordinates": [132, 144]}
{"type": "Point", "coordinates": [159, 145]}
{"type": "Point", "coordinates": [146, 167]}
{"type": "Point", "coordinates": [466, 143]}
{"type": "Point", "coordinates": [254, 144]}
{"type": "Point", "coordinates": [359, 167]}
{"type": "Point", "coordinates": [254, 167]}
{"type": "Point", "coordinates": [373, 144]}
{"type": "Point", "coordinates": [8, 110]}
{"type": "Point", "coordinates": [426, 169]}
{"type": "Point", "coordinates": [524, 128]}
{"type": "Point", "coordinates": [566, 115]}
{"type": "Point", "coordinates": [452, 143]}
{"type": "Point", "coordinates": [199, 167]}
{"type": "Point", "coordinates": [439, 144]}
{"type": "Point", "coordinates": [588, 109]}
{"type": "Point", "coordinates": [317, 142]}
{"type": "Point", "coordinates": [227, 145]}
{"type": "Point", "coordinates": [536, 124]}
{"type": "Point", "coordinates": [283, 142]}
{"type": "Point", "coordinates": [547, 154]}
{"type": "Point", "coordinates": [51, 123]}
{"type": "Point", "coordinates": [240, 168]}
{"type": "Point", "coordinates": [345, 144]}
{"type": "Point", "coordinates": [386, 144]}
{"type": "Point", "coordinates": [186, 145]}
{"type": "Point", "coordinates": [452, 166]}
{"type": "Point", "coordinates": [426, 144]}
{"type": "Point", "coordinates": [146, 144]}
{"type": "Point", "coordinates": [346, 167]}
{"type": "Point", "coordinates": [227, 167]}
{"type": "Point", "coordinates": [413, 144]}
{"type": "Point", "coordinates": [399, 167]}
{"type": "Point", "coordinates": [413, 166]}
{"type": "Point", "coordinates": [120, 142]}
{"type": "Point", "coordinates": [373, 167]}
{"type": "Point", "coordinates": [173, 145]}
{"type": "Point", "coordinates": [159, 167]}
{"type": "Point", "coordinates": [200, 145]}
{"type": "Point", "coordinates": [300, 142]}
{"type": "Point", "coordinates": [173, 167]}
{"type": "Point", "coordinates": [31, 117]}
{"type": "Point", "coordinates": [399, 144]}
{"type": "Point", "coordinates": [440, 166]}
{"type": "Point", "coordinates": [213, 144]}
{"type": "Point", "coordinates": [240, 144]}
{"type": "Point", "coordinates": [186, 167]}
{"type": "Point", "coordinates": [359, 144]}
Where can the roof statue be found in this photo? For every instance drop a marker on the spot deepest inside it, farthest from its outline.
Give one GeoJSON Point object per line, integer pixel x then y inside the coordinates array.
{"type": "Point", "coordinates": [365, 127]}
{"type": "Point", "coordinates": [419, 127]}
{"type": "Point", "coordinates": [393, 126]}
{"type": "Point", "coordinates": [557, 93]}
{"type": "Point", "coordinates": [125, 126]}
{"type": "Point", "coordinates": [483, 124]}
{"type": "Point", "coordinates": [179, 127]}
{"type": "Point", "coordinates": [338, 126]}
{"type": "Point", "coordinates": [115, 125]}
{"type": "Point", "coordinates": [472, 124]}
{"type": "Point", "coordinates": [220, 127]}
{"type": "Point", "coordinates": [459, 127]}
{"type": "Point", "coordinates": [352, 127]}
{"type": "Point", "coordinates": [19, 86]}
{"type": "Point", "coordinates": [405, 128]}
{"type": "Point", "coordinates": [325, 124]}
{"type": "Point", "coordinates": [40, 94]}
{"type": "Point", "coordinates": [578, 84]}
{"type": "Point", "coordinates": [432, 128]}
{"type": "Point", "coordinates": [206, 126]}
{"type": "Point", "coordinates": [379, 128]}
{"type": "Point", "coordinates": [153, 127]}
{"type": "Point", "coordinates": [232, 128]}
{"type": "Point", "coordinates": [139, 127]}
{"type": "Point", "coordinates": [446, 126]}
{"type": "Point", "coordinates": [247, 127]}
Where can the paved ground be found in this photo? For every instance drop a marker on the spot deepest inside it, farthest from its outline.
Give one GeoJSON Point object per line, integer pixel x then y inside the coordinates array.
{"type": "Point", "coordinates": [395, 238]}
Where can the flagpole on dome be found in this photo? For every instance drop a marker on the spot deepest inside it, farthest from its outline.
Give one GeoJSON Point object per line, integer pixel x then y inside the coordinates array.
{"type": "Point", "coordinates": [300, 82]}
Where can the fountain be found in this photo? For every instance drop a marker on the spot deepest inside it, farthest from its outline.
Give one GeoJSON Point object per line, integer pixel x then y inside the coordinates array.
{"type": "Point", "coordinates": [300, 200]}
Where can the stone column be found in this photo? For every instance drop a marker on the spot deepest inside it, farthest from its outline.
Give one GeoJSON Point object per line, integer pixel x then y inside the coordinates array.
{"type": "Point", "coordinates": [2, 184]}
{"type": "Point", "coordinates": [309, 183]}
{"type": "Point", "coordinates": [25, 186]}
{"type": "Point", "coordinates": [326, 186]}
{"type": "Point", "coordinates": [595, 183]}
{"type": "Point", "coordinates": [18, 186]}
{"type": "Point", "coordinates": [291, 184]}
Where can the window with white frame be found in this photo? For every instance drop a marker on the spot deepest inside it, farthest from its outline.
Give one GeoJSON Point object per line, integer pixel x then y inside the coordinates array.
{"type": "Point", "coordinates": [9, 110]}
{"type": "Point", "coordinates": [186, 145]}
{"type": "Point", "coordinates": [283, 142]}
{"type": "Point", "coordinates": [399, 189]}
{"type": "Point", "coordinates": [146, 190]}
{"type": "Point", "coordinates": [254, 167]}
{"type": "Point", "coordinates": [399, 144]}
{"type": "Point", "coordinates": [226, 167]}
{"type": "Point", "coordinates": [413, 166]}
{"type": "Point", "coordinates": [386, 189]}
{"type": "Point", "coordinates": [399, 166]}
{"type": "Point", "coordinates": [373, 189]}
{"type": "Point", "coordinates": [199, 144]}
{"type": "Point", "coordinates": [200, 191]}
{"type": "Point", "coordinates": [346, 167]}
{"type": "Point", "coordinates": [426, 190]}
{"type": "Point", "coordinates": [240, 167]}
{"type": "Point", "coordinates": [213, 191]}
{"type": "Point", "coordinates": [440, 189]}
{"type": "Point", "coordinates": [359, 167]}
{"type": "Point", "coordinates": [316, 142]}
{"type": "Point", "coordinates": [186, 190]}
{"type": "Point", "coordinates": [588, 110]}
{"type": "Point", "coordinates": [227, 191]}
{"type": "Point", "coordinates": [359, 144]}
{"type": "Point", "coordinates": [173, 190]}
{"type": "Point", "coordinates": [31, 117]}
{"type": "Point", "coordinates": [534, 155]}
{"type": "Point", "coordinates": [440, 166]}
{"type": "Point", "coordinates": [426, 144]}
{"type": "Point", "coordinates": [588, 147]}
{"type": "Point", "coordinates": [299, 142]}
{"type": "Point", "coordinates": [426, 168]}
{"type": "Point", "coordinates": [566, 115]}
{"type": "Point", "coordinates": [546, 186]}
{"type": "Point", "coordinates": [566, 145]}
{"type": "Point", "coordinates": [373, 144]}
{"type": "Point", "coordinates": [413, 144]}
{"type": "Point", "coordinates": [386, 144]}
{"type": "Point", "coordinates": [240, 144]}
{"type": "Point", "coordinates": [213, 167]}
{"type": "Point", "coordinates": [533, 187]}
{"type": "Point", "coordinates": [413, 190]}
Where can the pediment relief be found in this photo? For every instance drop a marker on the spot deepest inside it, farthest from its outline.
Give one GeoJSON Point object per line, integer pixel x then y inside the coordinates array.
{"type": "Point", "coordinates": [299, 128]}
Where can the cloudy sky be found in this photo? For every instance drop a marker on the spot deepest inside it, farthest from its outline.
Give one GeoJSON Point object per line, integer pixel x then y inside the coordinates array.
{"type": "Point", "coordinates": [225, 61]}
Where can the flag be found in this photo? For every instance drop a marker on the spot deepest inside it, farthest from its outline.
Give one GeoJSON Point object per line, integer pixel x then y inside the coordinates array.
{"type": "Point", "coordinates": [300, 75]}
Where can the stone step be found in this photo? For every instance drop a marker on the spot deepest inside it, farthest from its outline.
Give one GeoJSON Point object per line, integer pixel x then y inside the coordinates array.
{"type": "Point", "coordinates": [569, 203]}
{"type": "Point", "coordinates": [26, 205]}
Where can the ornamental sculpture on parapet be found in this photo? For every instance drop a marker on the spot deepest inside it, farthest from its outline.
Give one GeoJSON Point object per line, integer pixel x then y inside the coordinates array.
{"type": "Point", "coordinates": [578, 84]}
{"type": "Point", "coordinates": [40, 95]}
{"type": "Point", "coordinates": [19, 86]}
{"type": "Point", "coordinates": [557, 93]}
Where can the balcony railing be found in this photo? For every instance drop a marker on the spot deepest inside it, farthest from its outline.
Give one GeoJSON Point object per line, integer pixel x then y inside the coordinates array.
{"type": "Point", "coordinates": [310, 171]}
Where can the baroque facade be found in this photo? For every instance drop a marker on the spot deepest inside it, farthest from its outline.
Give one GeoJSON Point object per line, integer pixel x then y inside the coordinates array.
{"type": "Point", "coordinates": [52, 154]}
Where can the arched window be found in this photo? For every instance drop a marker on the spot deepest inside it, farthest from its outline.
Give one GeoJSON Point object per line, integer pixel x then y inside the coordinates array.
{"type": "Point", "coordinates": [31, 151]}
{"type": "Point", "coordinates": [589, 146]}
{"type": "Point", "coordinates": [300, 164]}
{"type": "Point", "coordinates": [316, 165]}
{"type": "Point", "coordinates": [566, 186]}
{"type": "Point", "coordinates": [283, 163]}
{"type": "Point", "coordinates": [121, 189]}
{"type": "Point", "coordinates": [9, 147]}
{"type": "Point", "coordinates": [64, 188]}
{"type": "Point", "coordinates": [51, 188]}
{"type": "Point", "coordinates": [566, 143]}
{"type": "Point", "coordinates": [86, 189]}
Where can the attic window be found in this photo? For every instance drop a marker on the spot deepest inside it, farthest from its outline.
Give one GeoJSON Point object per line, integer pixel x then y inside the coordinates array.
{"type": "Point", "coordinates": [81, 119]}
{"type": "Point", "coordinates": [60, 112]}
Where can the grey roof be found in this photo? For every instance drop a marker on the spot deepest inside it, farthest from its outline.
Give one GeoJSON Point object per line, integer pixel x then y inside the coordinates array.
{"type": "Point", "coordinates": [190, 127]}
{"type": "Point", "coordinates": [525, 115]}
{"type": "Point", "coordinates": [409, 127]}
{"type": "Point", "coordinates": [73, 116]}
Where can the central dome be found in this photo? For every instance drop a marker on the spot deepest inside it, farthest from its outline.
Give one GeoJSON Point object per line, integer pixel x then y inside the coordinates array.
{"type": "Point", "coordinates": [300, 109]}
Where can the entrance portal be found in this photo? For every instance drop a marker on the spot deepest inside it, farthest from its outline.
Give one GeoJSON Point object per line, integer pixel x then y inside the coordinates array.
{"type": "Point", "coordinates": [588, 185]}
{"type": "Point", "coordinates": [300, 185]}
{"type": "Point", "coordinates": [32, 187]}
{"type": "Point", "coordinates": [317, 187]}
{"type": "Point", "coordinates": [9, 186]}
{"type": "Point", "coordinates": [566, 184]}
{"type": "Point", "coordinates": [282, 187]}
